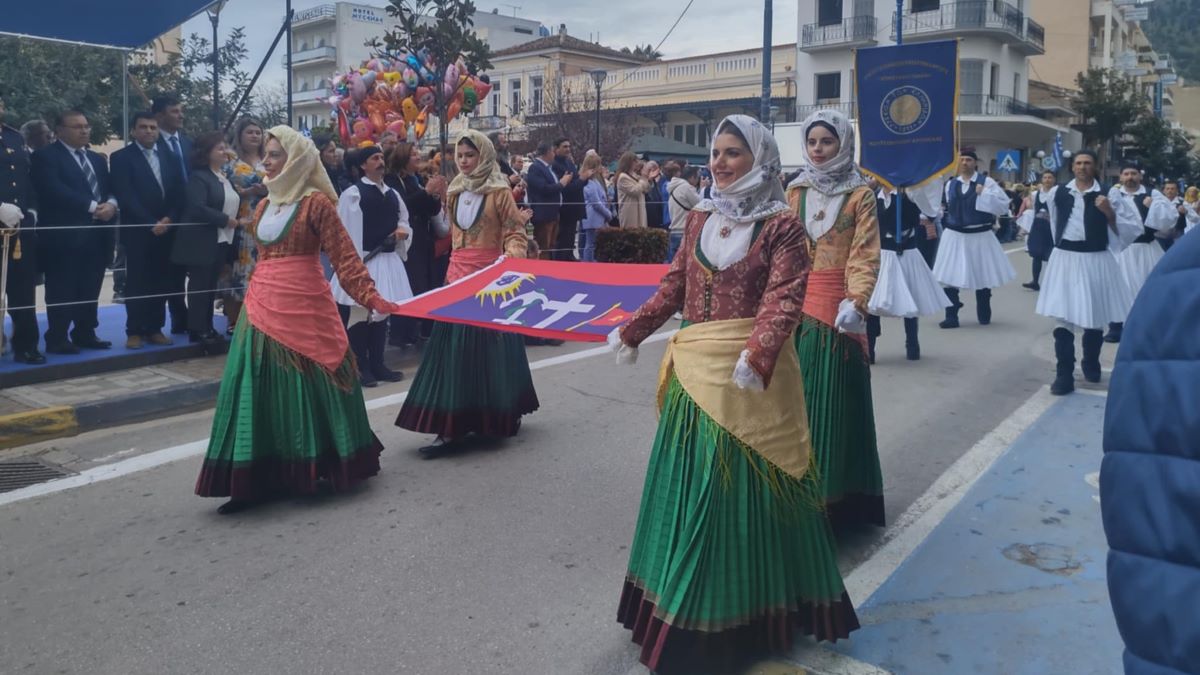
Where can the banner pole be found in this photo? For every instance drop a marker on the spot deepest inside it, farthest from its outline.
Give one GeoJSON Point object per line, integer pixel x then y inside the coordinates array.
{"type": "Point", "coordinates": [899, 210]}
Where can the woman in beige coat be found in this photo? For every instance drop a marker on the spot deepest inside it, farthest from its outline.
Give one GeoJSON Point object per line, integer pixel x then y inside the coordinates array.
{"type": "Point", "coordinates": [631, 192]}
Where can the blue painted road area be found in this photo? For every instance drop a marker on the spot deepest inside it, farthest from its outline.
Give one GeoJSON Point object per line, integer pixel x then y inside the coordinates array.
{"type": "Point", "coordinates": [1012, 581]}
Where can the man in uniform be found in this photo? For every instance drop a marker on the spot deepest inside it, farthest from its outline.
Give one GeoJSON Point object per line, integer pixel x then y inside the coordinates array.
{"type": "Point", "coordinates": [18, 211]}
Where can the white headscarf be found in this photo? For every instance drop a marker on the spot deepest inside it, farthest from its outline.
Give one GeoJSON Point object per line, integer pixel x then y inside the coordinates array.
{"type": "Point", "coordinates": [758, 194]}
{"type": "Point", "coordinates": [302, 174]}
{"type": "Point", "coordinates": [838, 175]}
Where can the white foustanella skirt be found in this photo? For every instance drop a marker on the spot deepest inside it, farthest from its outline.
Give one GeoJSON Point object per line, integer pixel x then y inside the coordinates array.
{"type": "Point", "coordinates": [906, 287]}
{"type": "Point", "coordinates": [391, 280]}
{"type": "Point", "coordinates": [972, 261]}
{"type": "Point", "coordinates": [1085, 290]}
{"type": "Point", "coordinates": [1137, 262]}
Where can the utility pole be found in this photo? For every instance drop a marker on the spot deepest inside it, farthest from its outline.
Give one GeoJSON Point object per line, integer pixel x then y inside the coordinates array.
{"type": "Point", "coordinates": [764, 111]}
{"type": "Point", "coordinates": [290, 15]}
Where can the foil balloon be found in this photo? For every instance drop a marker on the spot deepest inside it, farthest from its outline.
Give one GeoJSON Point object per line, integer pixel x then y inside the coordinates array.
{"type": "Point", "coordinates": [343, 128]}
{"type": "Point", "coordinates": [358, 89]}
{"type": "Point", "coordinates": [483, 86]}
{"type": "Point", "coordinates": [368, 78]}
{"type": "Point", "coordinates": [470, 98]}
{"type": "Point", "coordinates": [409, 109]}
{"type": "Point", "coordinates": [453, 109]}
{"type": "Point", "coordinates": [410, 78]}
{"type": "Point", "coordinates": [422, 123]}
{"type": "Point", "coordinates": [425, 97]}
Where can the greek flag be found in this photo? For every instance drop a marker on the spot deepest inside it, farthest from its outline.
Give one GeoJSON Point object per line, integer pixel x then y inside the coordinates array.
{"type": "Point", "coordinates": [1058, 151]}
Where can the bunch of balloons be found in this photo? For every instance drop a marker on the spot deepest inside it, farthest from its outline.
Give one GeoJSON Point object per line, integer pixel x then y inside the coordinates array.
{"type": "Point", "coordinates": [397, 94]}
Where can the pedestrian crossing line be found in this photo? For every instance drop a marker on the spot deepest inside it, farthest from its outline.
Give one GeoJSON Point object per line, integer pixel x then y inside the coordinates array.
{"type": "Point", "coordinates": [175, 453]}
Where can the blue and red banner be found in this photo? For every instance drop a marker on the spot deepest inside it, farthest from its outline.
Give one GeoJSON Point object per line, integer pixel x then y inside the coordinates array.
{"type": "Point", "coordinates": [581, 302]}
{"type": "Point", "coordinates": [907, 111]}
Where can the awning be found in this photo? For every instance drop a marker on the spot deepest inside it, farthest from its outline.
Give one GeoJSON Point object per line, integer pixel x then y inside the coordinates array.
{"type": "Point", "coordinates": [115, 24]}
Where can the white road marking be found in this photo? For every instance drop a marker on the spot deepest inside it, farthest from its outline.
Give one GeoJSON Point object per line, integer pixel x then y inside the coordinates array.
{"type": "Point", "coordinates": [915, 524]}
{"type": "Point", "coordinates": [1010, 251]}
{"type": "Point", "coordinates": [158, 458]}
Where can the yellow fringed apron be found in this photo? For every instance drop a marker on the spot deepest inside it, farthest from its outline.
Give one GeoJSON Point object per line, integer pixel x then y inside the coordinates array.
{"type": "Point", "coordinates": [772, 423]}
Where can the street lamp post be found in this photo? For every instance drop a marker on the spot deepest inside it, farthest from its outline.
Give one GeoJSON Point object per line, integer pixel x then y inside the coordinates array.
{"type": "Point", "coordinates": [598, 77]}
{"type": "Point", "coordinates": [214, 14]}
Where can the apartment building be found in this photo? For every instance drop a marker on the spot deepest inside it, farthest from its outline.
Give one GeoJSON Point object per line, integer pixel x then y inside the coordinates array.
{"type": "Point", "coordinates": [1104, 34]}
{"type": "Point", "coordinates": [332, 38]}
{"type": "Point", "coordinates": [997, 41]}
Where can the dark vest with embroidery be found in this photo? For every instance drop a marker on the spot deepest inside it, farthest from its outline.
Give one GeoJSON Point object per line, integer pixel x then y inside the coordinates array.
{"type": "Point", "coordinates": [1095, 223]}
{"type": "Point", "coordinates": [910, 219]}
{"type": "Point", "coordinates": [961, 214]}
{"type": "Point", "coordinates": [1147, 235]}
{"type": "Point", "coordinates": [1181, 222]}
{"type": "Point", "coordinates": [381, 213]}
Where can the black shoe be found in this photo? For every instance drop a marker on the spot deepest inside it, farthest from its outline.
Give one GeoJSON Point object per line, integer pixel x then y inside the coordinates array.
{"type": "Point", "coordinates": [33, 357]}
{"type": "Point", "coordinates": [384, 374]}
{"type": "Point", "coordinates": [1114, 332]}
{"type": "Point", "coordinates": [366, 379]}
{"type": "Point", "coordinates": [92, 342]}
{"type": "Point", "coordinates": [207, 338]}
{"type": "Point", "coordinates": [949, 322]}
{"type": "Point", "coordinates": [1033, 286]}
{"type": "Point", "coordinates": [983, 306]}
{"type": "Point", "coordinates": [234, 506]}
{"type": "Point", "coordinates": [62, 348]}
{"type": "Point", "coordinates": [439, 448]}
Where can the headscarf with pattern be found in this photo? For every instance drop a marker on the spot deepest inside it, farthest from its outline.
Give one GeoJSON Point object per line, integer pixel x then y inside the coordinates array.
{"type": "Point", "coordinates": [758, 194]}
{"type": "Point", "coordinates": [487, 176]}
{"type": "Point", "coordinates": [302, 174]}
{"type": "Point", "coordinates": [838, 175]}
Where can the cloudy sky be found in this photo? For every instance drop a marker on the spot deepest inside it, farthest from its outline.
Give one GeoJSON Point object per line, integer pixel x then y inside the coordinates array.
{"type": "Point", "coordinates": [708, 26]}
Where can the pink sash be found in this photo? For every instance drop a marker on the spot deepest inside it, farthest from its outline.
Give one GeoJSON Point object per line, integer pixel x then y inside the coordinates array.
{"type": "Point", "coordinates": [290, 301]}
{"type": "Point", "coordinates": [464, 261]}
{"type": "Point", "coordinates": [826, 290]}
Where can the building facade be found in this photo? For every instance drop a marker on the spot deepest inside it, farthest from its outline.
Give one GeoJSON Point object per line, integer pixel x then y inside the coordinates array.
{"type": "Point", "coordinates": [333, 38]}
{"type": "Point", "coordinates": [1104, 34]}
{"type": "Point", "coordinates": [997, 41]}
{"type": "Point", "coordinates": [676, 99]}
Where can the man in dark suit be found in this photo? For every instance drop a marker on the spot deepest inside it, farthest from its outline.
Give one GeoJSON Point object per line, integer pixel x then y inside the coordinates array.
{"type": "Point", "coordinates": [76, 211]}
{"type": "Point", "coordinates": [18, 210]}
{"type": "Point", "coordinates": [545, 196]}
{"type": "Point", "coordinates": [572, 196]}
{"type": "Point", "coordinates": [169, 113]}
{"type": "Point", "coordinates": [149, 190]}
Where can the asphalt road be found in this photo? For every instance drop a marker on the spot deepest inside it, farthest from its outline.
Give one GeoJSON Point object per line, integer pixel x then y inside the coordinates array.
{"type": "Point", "coordinates": [505, 560]}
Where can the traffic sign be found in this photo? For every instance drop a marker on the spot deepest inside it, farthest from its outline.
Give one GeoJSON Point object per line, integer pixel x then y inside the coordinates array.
{"type": "Point", "coordinates": [1008, 160]}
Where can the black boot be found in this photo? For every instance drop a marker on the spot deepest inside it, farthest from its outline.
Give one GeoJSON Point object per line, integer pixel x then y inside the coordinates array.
{"type": "Point", "coordinates": [951, 311]}
{"type": "Point", "coordinates": [912, 346]}
{"type": "Point", "coordinates": [983, 306]}
{"type": "Point", "coordinates": [359, 341]}
{"type": "Point", "coordinates": [874, 330]}
{"type": "Point", "coordinates": [1093, 340]}
{"type": "Point", "coordinates": [377, 334]}
{"type": "Point", "coordinates": [1114, 332]}
{"type": "Point", "coordinates": [1064, 355]}
{"type": "Point", "coordinates": [1035, 285]}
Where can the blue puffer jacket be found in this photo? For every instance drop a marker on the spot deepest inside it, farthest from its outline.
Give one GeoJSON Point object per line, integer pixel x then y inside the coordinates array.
{"type": "Point", "coordinates": [1150, 476]}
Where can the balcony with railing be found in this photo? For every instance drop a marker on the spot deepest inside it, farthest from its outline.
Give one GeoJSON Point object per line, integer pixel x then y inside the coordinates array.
{"type": "Point", "coordinates": [314, 14]}
{"type": "Point", "coordinates": [803, 111]}
{"type": "Point", "coordinates": [312, 56]}
{"type": "Point", "coordinates": [991, 18]}
{"type": "Point", "coordinates": [857, 31]}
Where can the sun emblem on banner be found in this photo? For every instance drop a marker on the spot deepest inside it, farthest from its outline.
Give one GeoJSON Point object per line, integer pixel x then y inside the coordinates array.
{"type": "Point", "coordinates": [504, 287]}
{"type": "Point", "coordinates": [905, 110]}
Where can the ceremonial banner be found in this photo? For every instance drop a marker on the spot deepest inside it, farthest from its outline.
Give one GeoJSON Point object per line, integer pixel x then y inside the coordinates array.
{"type": "Point", "coordinates": [907, 111]}
{"type": "Point", "coordinates": [582, 302]}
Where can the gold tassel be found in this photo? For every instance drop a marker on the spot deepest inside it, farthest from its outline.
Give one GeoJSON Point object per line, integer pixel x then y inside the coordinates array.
{"type": "Point", "coordinates": [17, 250]}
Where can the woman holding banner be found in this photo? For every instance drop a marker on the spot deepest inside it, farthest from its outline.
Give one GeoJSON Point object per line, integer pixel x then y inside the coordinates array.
{"type": "Point", "coordinates": [474, 380]}
{"type": "Point", "coordinates": [290, 410]}
{"type": "Point", "coordinates": [730, 494]}
{"type": "Point", "coordinates": [838, 210]}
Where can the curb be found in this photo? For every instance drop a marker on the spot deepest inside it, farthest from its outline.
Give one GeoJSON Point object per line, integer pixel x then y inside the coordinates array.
{"type": "Point", "coordinates": [62, 421]}
{"type": "Point", "coordinates": [35, 425]}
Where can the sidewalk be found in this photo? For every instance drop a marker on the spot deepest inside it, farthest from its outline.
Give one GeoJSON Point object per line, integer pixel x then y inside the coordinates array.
{"type": "Point", "coordinates": [1012, 581]}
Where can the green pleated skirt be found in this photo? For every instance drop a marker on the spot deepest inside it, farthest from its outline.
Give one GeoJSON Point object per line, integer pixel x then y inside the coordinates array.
{"type": "Point", "coordinates": [471, 380]}
{"type": "Point", "coordinates": [837, 392]}
{"type": "Point", "coordinates": [731, 558]}
{"type": "Point", "coordinates": [283, 423]}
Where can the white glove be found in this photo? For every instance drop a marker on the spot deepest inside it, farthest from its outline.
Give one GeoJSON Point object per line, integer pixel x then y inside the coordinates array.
{"type": "Point", "coordinates": [848, 319]}
{"type": "Point", "coordinates": [745, 376]}
{"type": "Point", "coordinates": [626, 355]}
{"type": "Point", "coordinates": [11, 215]}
